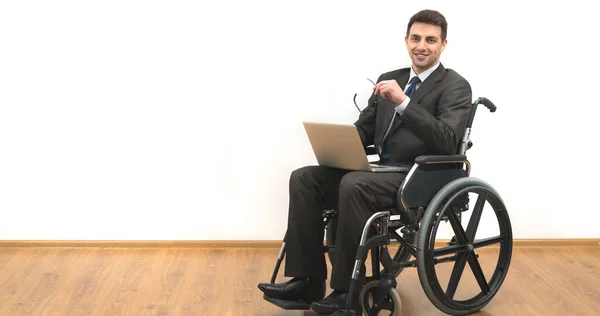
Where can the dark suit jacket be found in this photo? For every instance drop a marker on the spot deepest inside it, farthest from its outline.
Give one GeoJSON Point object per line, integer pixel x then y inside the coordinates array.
{"type": "Point", "coordinates": [434, 120]}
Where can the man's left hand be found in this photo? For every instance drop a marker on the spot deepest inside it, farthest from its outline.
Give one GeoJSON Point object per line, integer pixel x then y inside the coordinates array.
{"type": "Point", "coordinates": [389, 89]}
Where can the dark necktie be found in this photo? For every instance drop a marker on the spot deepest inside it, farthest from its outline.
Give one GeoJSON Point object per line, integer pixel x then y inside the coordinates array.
{"type": "Point", "coordinates": [385, 155]}
{"type": "Point", "coordinates": [413, 86]}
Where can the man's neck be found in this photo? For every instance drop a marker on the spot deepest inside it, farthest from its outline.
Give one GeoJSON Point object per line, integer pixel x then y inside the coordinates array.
{"type": "Point", "coordinates": [424, 70]}
{"type": "Point", "coordinates": [425, 73]}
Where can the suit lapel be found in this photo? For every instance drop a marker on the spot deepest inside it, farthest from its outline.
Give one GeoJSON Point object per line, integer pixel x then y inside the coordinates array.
{"type": "Point", "coordinates": [429, 84]}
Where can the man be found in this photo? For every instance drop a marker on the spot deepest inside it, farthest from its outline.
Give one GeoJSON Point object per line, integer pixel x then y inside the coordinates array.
{"type": "Point", "coordinates": [421, 110]}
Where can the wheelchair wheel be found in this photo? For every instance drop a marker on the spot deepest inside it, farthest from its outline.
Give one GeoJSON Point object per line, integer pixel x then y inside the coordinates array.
{"type": "Point", "coordinates": [440, 279]}
{"type": "Point", "coordinates": [391, 304]}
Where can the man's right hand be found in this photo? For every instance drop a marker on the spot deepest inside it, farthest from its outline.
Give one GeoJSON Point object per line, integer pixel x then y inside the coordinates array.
{"type": "Point", "coordinates": [389, 89]}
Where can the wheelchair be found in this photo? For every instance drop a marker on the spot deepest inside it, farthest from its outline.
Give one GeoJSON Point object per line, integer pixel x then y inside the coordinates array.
{"type": "Point", "coordinates": [437, 190]}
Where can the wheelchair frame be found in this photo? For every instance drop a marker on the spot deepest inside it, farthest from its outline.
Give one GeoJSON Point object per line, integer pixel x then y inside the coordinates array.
{"type": "Point", "coordinates": [420, 209]}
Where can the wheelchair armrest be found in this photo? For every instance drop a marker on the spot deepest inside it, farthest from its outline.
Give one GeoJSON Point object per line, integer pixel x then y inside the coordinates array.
{"type": "Point", "coordinates": [427, 159]}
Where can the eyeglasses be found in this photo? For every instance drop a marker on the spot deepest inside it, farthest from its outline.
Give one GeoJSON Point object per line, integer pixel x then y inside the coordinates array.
{"type": "Point", "coordinates": [375, 101]}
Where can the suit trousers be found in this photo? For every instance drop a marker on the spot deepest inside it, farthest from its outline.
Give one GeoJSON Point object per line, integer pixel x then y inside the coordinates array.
{"type": "Point", "coordinates": [355, 195]}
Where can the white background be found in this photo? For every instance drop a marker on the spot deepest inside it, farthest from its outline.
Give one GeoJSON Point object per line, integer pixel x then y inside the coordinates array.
{"type": "Point", "coordinates": [151, 120]}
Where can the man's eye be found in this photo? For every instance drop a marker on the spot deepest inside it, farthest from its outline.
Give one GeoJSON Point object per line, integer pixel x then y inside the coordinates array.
{"type": "Point", "coordinates": [432, 40]}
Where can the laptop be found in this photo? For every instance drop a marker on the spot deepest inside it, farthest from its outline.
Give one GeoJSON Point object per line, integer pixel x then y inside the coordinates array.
{"type": "Point", "coordinates": [339, 146]}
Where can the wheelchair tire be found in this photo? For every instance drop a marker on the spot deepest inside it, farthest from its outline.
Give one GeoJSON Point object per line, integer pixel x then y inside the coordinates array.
{"type": "Point", "coordinates": [462, 252]}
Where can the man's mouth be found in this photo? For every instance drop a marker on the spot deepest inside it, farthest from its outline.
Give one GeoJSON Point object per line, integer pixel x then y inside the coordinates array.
{"type": "Point", "coordinates": [421, 56]}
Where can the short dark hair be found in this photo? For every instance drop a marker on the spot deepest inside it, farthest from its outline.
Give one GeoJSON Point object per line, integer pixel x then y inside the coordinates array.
{"type": "Point", "coordinates": [430, 17]}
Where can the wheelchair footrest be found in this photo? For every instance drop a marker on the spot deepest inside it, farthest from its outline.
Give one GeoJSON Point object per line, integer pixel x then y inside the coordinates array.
{"type": "Point", "coordinates": [288, 305]}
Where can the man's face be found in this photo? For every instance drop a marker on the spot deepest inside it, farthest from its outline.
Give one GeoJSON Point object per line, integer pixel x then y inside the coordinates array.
{"type": "Point", "coordinates": [424, 44]}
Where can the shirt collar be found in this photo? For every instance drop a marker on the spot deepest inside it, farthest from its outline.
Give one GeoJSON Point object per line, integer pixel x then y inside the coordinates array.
{"type": "Point", "coordinates": [424, 74]}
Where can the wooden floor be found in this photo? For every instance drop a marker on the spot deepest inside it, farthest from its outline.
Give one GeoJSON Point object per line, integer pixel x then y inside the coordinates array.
{"type": "Point", "coordinates": [198, 281]}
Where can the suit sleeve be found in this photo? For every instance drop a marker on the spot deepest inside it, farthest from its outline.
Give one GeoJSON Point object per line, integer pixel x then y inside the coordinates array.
{"type": "Point", "coordinates": [442, 132]}
{"type": "Point", "coordinates": [366, 122]}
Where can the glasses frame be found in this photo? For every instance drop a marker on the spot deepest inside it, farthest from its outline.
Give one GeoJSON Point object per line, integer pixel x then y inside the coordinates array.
{"type": "Point", "coordinates": [375, 102]}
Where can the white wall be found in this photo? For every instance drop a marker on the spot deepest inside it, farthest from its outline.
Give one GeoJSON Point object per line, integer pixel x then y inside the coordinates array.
{"type": "Point", "coordinates": [148, 120]}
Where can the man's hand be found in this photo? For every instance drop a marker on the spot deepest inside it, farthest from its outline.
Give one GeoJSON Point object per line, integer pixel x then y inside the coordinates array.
{"type": "Point", "coordinates": [389, 89]}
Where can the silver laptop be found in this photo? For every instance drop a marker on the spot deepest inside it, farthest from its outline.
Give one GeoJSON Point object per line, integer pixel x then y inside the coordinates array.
{"type": "Point", "coordinates": [339, 146]}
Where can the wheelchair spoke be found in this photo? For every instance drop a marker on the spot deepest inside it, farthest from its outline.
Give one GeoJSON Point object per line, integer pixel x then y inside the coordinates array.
{"type": "Point", "coordinates": [479, 276]}
{"type": "Point", "coordinates": [475, 217]}
{"type": "Point", "coordinates": [449, 250]}
{"type": "Point", "coordinates": [488, 241]}
{"type": "Point", "coordinates": [459, 232]}
{"type": "Point", "coordinates": [457, 271]}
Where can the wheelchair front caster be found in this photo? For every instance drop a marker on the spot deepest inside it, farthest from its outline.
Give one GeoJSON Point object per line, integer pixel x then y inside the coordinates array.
{"type": "Point", "coordinates": [373, 301]}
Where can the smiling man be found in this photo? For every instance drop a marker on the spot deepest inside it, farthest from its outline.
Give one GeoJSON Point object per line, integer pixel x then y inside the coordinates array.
{"type": "Point", "coordinates": [420, 110]}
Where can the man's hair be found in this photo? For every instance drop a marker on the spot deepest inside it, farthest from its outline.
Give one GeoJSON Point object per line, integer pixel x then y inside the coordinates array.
{"type": "Point", "coordinates": [430, 17]}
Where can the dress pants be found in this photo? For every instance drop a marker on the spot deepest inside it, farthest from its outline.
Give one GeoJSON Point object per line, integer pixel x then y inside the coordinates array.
{"type": "Point", "coordinates": [355, 195]}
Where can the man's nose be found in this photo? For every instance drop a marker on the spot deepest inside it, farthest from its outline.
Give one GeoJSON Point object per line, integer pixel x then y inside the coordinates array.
{"type": "Point", "coordinates": [421, 45]}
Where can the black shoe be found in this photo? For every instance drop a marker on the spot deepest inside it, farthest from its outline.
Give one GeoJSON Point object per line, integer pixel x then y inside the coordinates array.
{"type": "Point", "coordinates": [335, 301]}
{"type": "Point", "coordinates": [302, 289]}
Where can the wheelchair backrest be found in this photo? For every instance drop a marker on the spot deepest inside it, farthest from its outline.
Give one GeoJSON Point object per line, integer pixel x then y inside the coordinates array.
{"type": "Point", "coordinates": [466, 143]}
